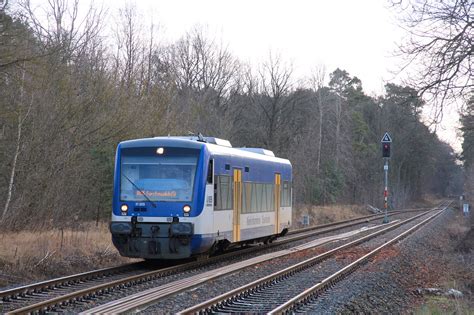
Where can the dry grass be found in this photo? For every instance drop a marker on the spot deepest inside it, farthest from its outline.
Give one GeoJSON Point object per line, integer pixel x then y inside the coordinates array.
{"type": "Point", "coordinates": [455, 269]}
{"type": "Point", "coordinates": [326, 214]}
{"type": "Point", "coordinates": [338, 212]}
{"type": "Point", "coordinates": [34, 255]}
{"type": "Point", "coordinates": [439, 305]}
{"type": "Point", "coordinates": [427, 201]}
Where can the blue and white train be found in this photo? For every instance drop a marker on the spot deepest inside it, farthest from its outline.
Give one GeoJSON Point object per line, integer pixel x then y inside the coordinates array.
{"type": "Point", "coordinates": [178, 197]}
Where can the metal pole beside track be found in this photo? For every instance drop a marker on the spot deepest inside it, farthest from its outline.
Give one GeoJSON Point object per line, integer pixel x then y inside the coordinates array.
{"type": "Point", "coordinates": [385, 193]}
{"type": "Point", "coordinates": [386, 142]}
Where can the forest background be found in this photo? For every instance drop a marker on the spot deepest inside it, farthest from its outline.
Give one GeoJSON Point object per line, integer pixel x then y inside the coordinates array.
{"type": "Point", "coordinates": [70, 91]}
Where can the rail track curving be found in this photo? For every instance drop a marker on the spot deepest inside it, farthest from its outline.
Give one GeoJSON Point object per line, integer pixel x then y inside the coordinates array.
{"type": "Point", "coordinates": [141, 300]}
{"type": "Point", "coordinates": [280, 292]}
{"type": "Point", "coordinates": [82, 287]}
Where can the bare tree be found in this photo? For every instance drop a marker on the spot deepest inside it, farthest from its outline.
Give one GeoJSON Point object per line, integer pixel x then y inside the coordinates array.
{"type": "Point", "coordinates": [3, 5]}
{"type": "Point", "coordinates": [439, 49]}
{"type": "Point", "coordinates": [21, 117]}
{"type": "Point", "coordinates": [206, 75]}
{"type": "Point", "coordinates": [276, 84]}
{"type": "Point", "coordinates": [129, 45]}
{"type": "Point", "coordinates": [317, 83]}
{"type": "Point", "coordinates": [14, 40]}
{"type": "Point", "coordinates": [201, 64]}
{"type": "Point", "coordinates": [64, 31]}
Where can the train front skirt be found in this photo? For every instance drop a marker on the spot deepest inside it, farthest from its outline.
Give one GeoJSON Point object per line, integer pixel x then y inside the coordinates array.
{"type": "Point", "coordinates": [161, 240]}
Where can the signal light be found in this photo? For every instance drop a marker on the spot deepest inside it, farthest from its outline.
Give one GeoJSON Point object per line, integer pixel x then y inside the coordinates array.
{"type": "Point", "coordinates": [386, 150]}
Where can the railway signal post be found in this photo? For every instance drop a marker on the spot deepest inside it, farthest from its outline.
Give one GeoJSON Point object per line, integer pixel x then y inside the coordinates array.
{"type": "Point", "coordinates": [386, 142]}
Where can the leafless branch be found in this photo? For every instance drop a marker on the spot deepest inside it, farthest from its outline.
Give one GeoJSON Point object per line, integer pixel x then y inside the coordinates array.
{"type": "Point", "coordinates": [439, 49]}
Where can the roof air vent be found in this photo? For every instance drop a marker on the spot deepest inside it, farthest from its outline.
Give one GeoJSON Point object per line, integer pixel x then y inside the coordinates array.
{"type": "Point", "coordinates": [259, 151]}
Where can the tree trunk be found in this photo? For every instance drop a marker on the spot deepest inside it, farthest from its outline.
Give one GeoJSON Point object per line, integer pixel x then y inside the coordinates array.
{"type": "Point", "coordinates": [12, 175]}
{"type": "Point", "coordinates": [17, 148]}
{"type": "Point", "coordinates": [338, 128]}
{"type": "Point", "coordinates": [320, 133]}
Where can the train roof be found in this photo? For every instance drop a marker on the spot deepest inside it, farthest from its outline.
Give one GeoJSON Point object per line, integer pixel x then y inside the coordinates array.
{"type": "Point", "coordinates": [214, 145]}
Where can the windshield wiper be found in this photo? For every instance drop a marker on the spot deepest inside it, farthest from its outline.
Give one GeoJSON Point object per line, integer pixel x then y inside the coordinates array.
{"type": "Point", "coordinates": [138, 188]}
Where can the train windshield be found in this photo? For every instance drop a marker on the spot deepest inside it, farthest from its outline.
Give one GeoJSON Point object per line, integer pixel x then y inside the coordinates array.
{"type": "Point", "coordinates": [158, 174]}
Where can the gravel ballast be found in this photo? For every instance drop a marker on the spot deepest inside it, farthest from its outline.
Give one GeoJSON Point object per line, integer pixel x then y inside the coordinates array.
{"type": "Point", "coordinates": [154, 283]}
{"type": "Point", "coordinates": [303, 280]}
{"type": "Point", "coordinates": [388, 283]}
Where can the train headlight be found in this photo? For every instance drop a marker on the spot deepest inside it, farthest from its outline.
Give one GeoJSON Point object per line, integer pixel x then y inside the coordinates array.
{"type": "Point", "coordinates": [124, 209]}
{"type": "Point", "coordinates": [186, 209]}
{"type": "Point", "coordinates": [160, 151]}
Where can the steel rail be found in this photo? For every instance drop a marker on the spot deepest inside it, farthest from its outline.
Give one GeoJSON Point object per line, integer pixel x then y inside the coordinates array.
{"type": "Point", "coordinates": [140, 300]}
{"type": "Point", "coordinates": [232, 295]}
{"type": "Point", "coordinates": [24, 290]}
{"type": "Point", "coordinates": [307, 294]}
{"type": "Point", "coordinates": [367, 217]}
{"type": "Point", "coordinates": [62, 281]}
{"type": "Point", "coordinates": [37, 287]}
{"type": "Point", "coordinates": [325, 228]}
{"type": "Point", "coordinates": [320, 226]}
{"type": "Point", "coordinates": [99, 289]}
{"type": "Point", "coordinates": [31, 289]}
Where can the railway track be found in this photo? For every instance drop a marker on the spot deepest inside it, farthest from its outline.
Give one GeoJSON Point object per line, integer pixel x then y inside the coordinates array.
{"type": "Point", "coordinates": [36, 292]}
{"type": "Point", "coordinates": [81, 287]}
{"type": "Point", "coordinates": [46, 285]}
{"type": "Point", "coordinates": [351, 222]}
{"type": "Point", "coordinates": [305, 298]}
{"type": "Point", "coordinates": [141, 300]}
{"type": "Point", "coordinates": [280, 292]}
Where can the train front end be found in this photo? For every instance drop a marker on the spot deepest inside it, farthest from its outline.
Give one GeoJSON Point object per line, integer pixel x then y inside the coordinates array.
{"type": "Point", "coordinates": [159, 189]}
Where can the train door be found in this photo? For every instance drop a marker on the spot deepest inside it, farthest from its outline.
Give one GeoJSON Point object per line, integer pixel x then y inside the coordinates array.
{"type": "Point", "coordinates": [277, 202]}
{"type": "Point", "coordinates": [237, 204]}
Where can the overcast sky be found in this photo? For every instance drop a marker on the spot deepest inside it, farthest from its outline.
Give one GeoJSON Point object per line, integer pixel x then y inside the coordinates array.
{"type": "Point", "coordinates": [357, 36]}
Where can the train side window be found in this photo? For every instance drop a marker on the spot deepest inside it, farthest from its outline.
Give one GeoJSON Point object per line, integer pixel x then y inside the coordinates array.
{"type": "Point", "coordinates": [289, 194]}
{"type": "Point", "coordinates": [248, 197]}
{"type": "Point", "coordinates": [224, 193]}
{"type": "Point", "coordinates": [244, 193]}
{"type": "Point", "coordinates": [253, 198]}
{"type": "Point", "coordinates": [230, 195]}
{"type": "Point", "coordinates": [286, 194]}
{"type": "Point", "coordinates": [283, 194]}
{"type": "Point", "coordinates": [210, 172]}
{"type": "Point", "coordinates": [259, 197]}
{"type": "Point", "coordinates": [264, 198]}
{"type": "Point", "coordinates": [218, 194]}
{"type": "Point", "coordinates": [271, 192]}
{"type": "Point", "coordinates": [226, 189]}
{"type": "Point", "coordinates": [215, 192]}
{"type": "Point", "coordinates": [270, 197]}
